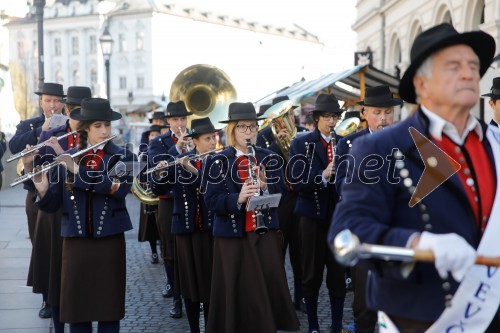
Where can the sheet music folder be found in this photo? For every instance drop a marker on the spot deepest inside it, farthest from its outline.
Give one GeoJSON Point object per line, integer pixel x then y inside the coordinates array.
{"type": "Point", "coordinates": [263, 202]}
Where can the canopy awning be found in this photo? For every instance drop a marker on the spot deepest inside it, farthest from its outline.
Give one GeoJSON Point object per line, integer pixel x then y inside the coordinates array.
{"type": "Point", "coordinates": [353, 82]}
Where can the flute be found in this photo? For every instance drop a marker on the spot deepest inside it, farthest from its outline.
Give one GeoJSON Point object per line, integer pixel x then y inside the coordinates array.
{"type": "Point", "coordinates": [177, 161]}
{"type": "Point", "coordinates": [36, 147]}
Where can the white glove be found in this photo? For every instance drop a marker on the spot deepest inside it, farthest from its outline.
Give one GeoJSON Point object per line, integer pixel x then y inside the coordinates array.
{"type": "Point", "coordinates": [452, 253]}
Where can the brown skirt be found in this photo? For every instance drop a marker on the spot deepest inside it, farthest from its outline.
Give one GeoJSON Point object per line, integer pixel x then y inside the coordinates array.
{"type": "Point", "coordinates": [148, 231]}
{"type": "Point", "coordinates": [45, 264]}
{"type": "Point", "coordinates": [249, 288]}
{"type": "Point", "coordinates": [193, 263]}
{"type": "Point", "coordinates": [164, 223]}
{"type": "Point", "coordinates": [93, 279]}
{"type": "Point", "coordinates": [31, 213]}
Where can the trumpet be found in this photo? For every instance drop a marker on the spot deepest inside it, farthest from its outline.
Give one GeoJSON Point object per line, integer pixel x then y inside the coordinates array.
{"type": "Point", "coordinates": [49, 166]}
{"type": "Point", "coordinates": [177, 161]}
{"type": "Point", "coordinates": [36, 147]}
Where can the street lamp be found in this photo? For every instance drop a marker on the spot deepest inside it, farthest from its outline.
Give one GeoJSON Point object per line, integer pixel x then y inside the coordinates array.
{"type": "Point", "coordinates": [106, 42]}
{"type": "Point", "coordinates": [39, 4]}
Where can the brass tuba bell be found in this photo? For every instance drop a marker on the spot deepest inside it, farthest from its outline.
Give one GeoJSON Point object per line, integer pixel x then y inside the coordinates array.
{"type": "Point", "coordinates": [278, 117]}
{"type": "Point", "coordinates": [206, 90]}
{"type": "Point", "coordinates": [141, 187]}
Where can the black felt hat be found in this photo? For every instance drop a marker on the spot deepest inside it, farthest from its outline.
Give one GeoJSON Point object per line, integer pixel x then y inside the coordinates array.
{"type": "Point", "coordinates": [76, 94]}
{"type": "Point", "coordinates": [379, 96]}
{"type": "Point", "coordinates": [438, 38]}
{"type": "Point", "coordinates": [241, 111]}
{"type": "Point", "coordinates": [53, 89]}
{"type": "Point", "coordinates": [495, 89]}
{"type": "Point", "coordinates": [97, 109]}
{"type": "Point", "coordinates": [202, 126]}
{"type": "Point", "coordinates": [327, 103]}
{"type": "Point", "coordinates": [177, 109]}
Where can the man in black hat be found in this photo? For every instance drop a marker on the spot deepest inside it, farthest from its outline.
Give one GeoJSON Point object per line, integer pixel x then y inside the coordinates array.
{"type": "Point", "coordinates": [494, 101]}
{"type": "Point", "coordinates": [27, 133]}
{"type": "Point", "coordinates": [378, 110]}
{"type": "Point", "coordinates": [162, 148]}
{"type": "Point", "coordinates": [379, 205]}
{"type": "Point", "coordinates": [311, 175]}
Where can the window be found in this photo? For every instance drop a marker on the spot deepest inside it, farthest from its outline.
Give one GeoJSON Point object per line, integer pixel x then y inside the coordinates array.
{"type": "Point", "coordinates": [92, 44]}
{"type": "Point", "coordinates": [57, 46]}
{"type": "Point", "coordinates": [122, 41]}
{"type": "Point", "coordinates": [123, 82]}
{"type": "Point", "coordinates": [140, 82]}
{"type": "Point", "coordinates": [139, 41]}
{"type": "Point", "coordinates": [74, 45]}
{"type": "Point", "coordinates": [93, 76]}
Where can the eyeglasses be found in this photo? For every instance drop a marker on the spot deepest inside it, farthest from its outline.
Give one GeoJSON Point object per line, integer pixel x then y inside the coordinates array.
{"type": "Point", "coordinates": [330, 116]}
{"type": "Point", "coordinates": [243, 128]}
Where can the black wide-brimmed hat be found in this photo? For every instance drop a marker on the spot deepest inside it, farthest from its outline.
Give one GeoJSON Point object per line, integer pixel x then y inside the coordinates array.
{"type": "Point", "coordinates": [155, 128]}
{"type": "Point", "coordinates": [241, 111]}
{"type": "Point", "coordinates": [97, 109]}
{"type": "Point", "coordinates": [379, 96]}
{"type": "Point", "coordinates": [52, 89]}
{"type": "Point", "coordinates": [327, 103]}
{"type": "Point", "coordinates": [495, 89]}
{"type": "Point", "coordinates": [201, 126]}
{"type": "Point", "coordinates": [76, 94]}
{"type": "Point", "coordinates": [352, 114]}
{"type": "Point", "coordinates": [177, 109]}
{"type": "Point", "coordinates": [438, 38]}
{"type": "Point", "coordinates": [157, 115]}
{"type": "Point", "coordinates": [278, 99]}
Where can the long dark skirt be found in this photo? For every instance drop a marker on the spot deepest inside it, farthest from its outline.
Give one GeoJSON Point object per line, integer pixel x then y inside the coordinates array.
{"type": "Point", "coordinates": [193, 262]}
{"type": "Point", "coordinates": [45, 263]}
{"type": "Point", "coordinates": [31, 213]}
{"type": "Point", "coordinates": [148, 231]}
{"type": "Point", "coordinates": [249, 288]}
{"type": "Point", "coordinates": [164, 223]}
{"type": "Point", "coordinates": [93, 279]}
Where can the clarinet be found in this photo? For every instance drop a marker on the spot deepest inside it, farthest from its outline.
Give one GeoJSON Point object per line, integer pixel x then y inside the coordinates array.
{"type": "Point", "coordinates": [333, 145]}
{"type": "Point", "coordinates": [260, 226]}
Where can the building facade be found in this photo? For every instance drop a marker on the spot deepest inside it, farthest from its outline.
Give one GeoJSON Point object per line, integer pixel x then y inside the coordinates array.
{"type": "Point", "coordinates": [388, 28]}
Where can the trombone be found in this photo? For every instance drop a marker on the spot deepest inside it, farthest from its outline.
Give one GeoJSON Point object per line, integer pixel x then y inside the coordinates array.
{"type": "Point", "coordinates": [49, 166]}
{"type": "Point", "coordinates": [36, 147]}
{"type": "Point", "coordinates": [177, 161]}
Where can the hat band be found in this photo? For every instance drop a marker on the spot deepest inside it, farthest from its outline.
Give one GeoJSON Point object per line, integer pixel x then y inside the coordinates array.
{"type": "Point", "coordinates": [377, 99]}
{"type": "Point", "coordinates": [495, 91]}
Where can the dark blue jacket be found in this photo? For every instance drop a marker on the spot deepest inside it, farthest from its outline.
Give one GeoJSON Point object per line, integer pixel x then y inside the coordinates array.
{"type": "Point", "coordinates": [3, 149]}
{"type": "Point", "coordinates": [161, 148]}
{"type": "Point", "coordinates": [266, 139]}
{"type": "Point", "coordinates": [109, 212]}
{"type": "Point", "coordinates": [223, 187]}
{"type": "Point", "coordinates": [307, 162]}
{"type": "Point", "coordinates": [27, 133]}
{"type": "Point", "coordinates": [378, 212]}
{"type": "Point", "coordinates": [185, 187]}
{"type": "Point", "coordinates": [344, 161]}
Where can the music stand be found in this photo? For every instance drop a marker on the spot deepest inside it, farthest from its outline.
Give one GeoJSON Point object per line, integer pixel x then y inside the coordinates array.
{"type": "Point", "coordinates": [129, 168]}
{"type": "Point", "coordinates": [263, 202]}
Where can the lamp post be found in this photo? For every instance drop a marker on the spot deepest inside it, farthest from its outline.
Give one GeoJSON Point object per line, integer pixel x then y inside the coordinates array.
{"type": "Point", "coordinates": [39, 4]}
{"type": "Point", "coordinates": [106, 42]}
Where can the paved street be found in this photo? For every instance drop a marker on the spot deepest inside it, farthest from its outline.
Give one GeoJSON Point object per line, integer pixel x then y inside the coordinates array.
{"type": "Point", "coordinates": [146, 309]}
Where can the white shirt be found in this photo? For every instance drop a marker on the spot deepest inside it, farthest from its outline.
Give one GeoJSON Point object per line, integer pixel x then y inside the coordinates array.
{"type": "Point", "coordinates": [438, 126]}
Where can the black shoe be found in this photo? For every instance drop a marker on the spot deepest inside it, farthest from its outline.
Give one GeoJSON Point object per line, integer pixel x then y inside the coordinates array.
{"type": "Point", "coordinates": [300, 305]}
{"type": "Point", "coordinates": [176, 310]}
{"type": "Point", "coordinates": [342, 330]}
{"type": "Point", "coordinates": [167, 291]}
{"type": "Point", "coordinates": [348, 284]}
{"type": "Point", "coordinates": [45, 311]}
{"type": "Point", "coordinates": [154, 258]}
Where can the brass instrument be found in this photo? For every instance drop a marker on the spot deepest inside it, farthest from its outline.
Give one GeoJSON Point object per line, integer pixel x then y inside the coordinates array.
{"type": "Point", "coordinates": [260, 225]}
{"type": "Point", "coordinates": [36, 147]}
{"type": "Point", "coordinates": [49, 166]}
{"type": "Point", "coordinates": [177, 161]}
{"type": "Point", "coordinates": [142, 189]}
{"type": "Point", "coordinates": [347, 126]}
{"type": "Point", "coordinates": [278, 117]}
{"type": "Point", "coordinates": [206, 90]}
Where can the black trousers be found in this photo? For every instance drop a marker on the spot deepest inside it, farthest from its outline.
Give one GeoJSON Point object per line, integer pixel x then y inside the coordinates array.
{"type": "Point", "coordinates": [364, 318]}
{"type": "Point", "coordinates": [289, 225]}
{"type": "Point", "coordinates": [315, 255]}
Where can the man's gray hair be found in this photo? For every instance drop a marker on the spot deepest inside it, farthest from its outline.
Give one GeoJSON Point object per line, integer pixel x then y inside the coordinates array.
{"type": "Point", "coordinates": [425, 68]}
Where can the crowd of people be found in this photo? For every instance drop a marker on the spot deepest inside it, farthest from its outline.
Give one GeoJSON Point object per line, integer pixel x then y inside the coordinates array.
{"type": "Point", "coordinates": [224, 215]}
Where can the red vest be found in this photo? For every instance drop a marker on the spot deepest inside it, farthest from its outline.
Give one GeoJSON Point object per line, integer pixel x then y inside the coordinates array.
{"type": "Point", "coordinates": [242, 164]}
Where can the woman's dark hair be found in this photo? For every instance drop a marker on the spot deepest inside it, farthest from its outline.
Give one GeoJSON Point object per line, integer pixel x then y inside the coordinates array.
{"type": "Point", "coordinates": [82, 135]}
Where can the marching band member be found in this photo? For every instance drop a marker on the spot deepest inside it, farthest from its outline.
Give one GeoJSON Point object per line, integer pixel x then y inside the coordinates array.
{"type": "Point", "coordinates": [443, 78]}
{"type": "Point", "coordinates": [192, 224]}
{"type": "Point", "coordinates": [315, 205]}
{"type": "Point", "coordinates": [378, 110]}
{"type": "Point", "coordinates": [161, 148]}
{"type": "Point", "coordinates": [289, 222]}
{"type": "Point", "coordinates": [45, 265]}
{"type": "Point", "coordinates": [94, 220]}
{"type": "Point", "coordinates": [494, 101]}
{"type": "Point", "coordinates": [27, 133]}
{"type": "Point", "coordinates": [148, 230]}
{"type": "Point", "coordinates": [249, 290]}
